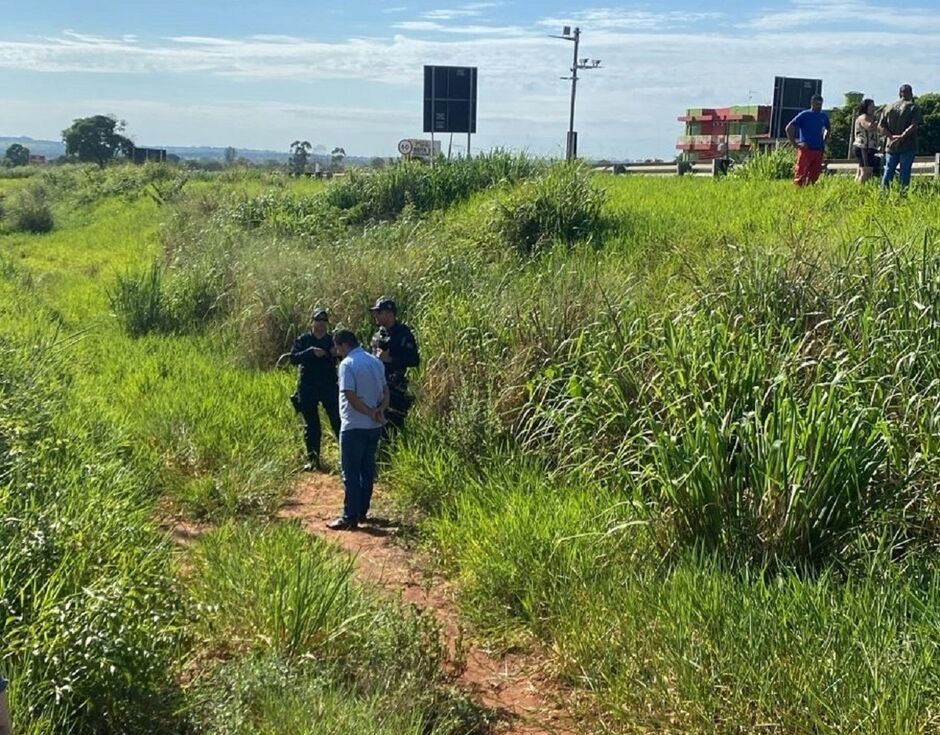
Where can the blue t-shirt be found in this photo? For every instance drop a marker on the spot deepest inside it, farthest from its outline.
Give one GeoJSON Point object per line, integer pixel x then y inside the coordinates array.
{"type": "Point", "coordinates": [364, 375]}
{"type": "Point", "coordinates": [811, 125]}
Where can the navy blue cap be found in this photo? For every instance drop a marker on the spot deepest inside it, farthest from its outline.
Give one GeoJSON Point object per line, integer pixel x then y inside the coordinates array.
{"type": "Point", "coordinates": [384, 303]}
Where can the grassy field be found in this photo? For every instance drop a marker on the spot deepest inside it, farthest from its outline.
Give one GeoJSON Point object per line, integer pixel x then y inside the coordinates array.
{"type": "Point", "coordinates": [681, 433]}
{"type": "Point", "coordinates": [105, 626]}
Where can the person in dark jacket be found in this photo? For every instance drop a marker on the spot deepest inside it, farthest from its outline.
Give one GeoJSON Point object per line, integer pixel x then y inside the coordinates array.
{"type": "Point", "coordinates": [316, 356]}
{"type": "Point", "coordinates": [395, 345]}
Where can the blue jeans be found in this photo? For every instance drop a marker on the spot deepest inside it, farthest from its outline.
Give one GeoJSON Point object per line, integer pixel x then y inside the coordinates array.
{"type": "Point", "coordinates": [357, 448]}
{"type": "Point", "coordinates": [906, 160]}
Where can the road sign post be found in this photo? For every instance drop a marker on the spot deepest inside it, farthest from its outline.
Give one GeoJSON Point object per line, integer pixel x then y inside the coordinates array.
{"type": "Point", "coordinates": [450, 100]}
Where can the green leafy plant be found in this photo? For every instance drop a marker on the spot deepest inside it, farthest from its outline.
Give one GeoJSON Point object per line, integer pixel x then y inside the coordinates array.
{"type": "Point", "coordinates": [777, 164]}
{"type": "Point", "coordinates": [563, 205]}
{"type": "Point", "coordinates": [28, 210]}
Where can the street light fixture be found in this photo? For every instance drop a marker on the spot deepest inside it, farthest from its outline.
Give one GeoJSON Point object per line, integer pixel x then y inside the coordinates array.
{"type": "Point", "coordinates": [571, 149]}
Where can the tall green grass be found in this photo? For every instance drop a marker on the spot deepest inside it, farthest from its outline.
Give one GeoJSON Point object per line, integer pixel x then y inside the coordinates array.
{"type": "Point", "coordinates": [298, 645]}
{"type": "Point", "coordinates": [689, 447]}
{"type": "Point", "coordinates": [564, 205]}
{"type": "Point", "coordinates": [89, 616]}
{"type": "Point", "coordinates": [102, 631]}
{"type": "Point", "coordinates": [684, 644]}
{"type": "Point", "coordinates": [385, 194]}
{"type": "Point", "coordinates": [777, 164]}
{"type": "Point", "coordinates": [28, 210]}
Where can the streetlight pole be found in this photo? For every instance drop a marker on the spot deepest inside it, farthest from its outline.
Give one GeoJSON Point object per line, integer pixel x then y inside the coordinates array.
{"type": "Point", "coordinates": [571, 147]}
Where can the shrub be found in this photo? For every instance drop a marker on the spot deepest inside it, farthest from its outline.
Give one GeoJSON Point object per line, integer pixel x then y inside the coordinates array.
{"type": "Point", "coordinates": [563, 205]}
{"type": "Point", "coordinates": [145, 302]}
{"type": "Point", "coordinates": [364, 196]}
{"type": "Point", "coordinates": [777, 164]}
{"type": "Point", "coordinates": [139, 301]}
{"type": "Point", "coordinates": [28, 210]}
{"type": "Point", "coordinates": [385, 194]}
{"type": "Point", "coordinates": [789, 481]}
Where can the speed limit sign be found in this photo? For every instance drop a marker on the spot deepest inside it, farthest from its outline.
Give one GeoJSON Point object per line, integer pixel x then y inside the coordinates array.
{"type": "Point", "coordinates": [406, 147]}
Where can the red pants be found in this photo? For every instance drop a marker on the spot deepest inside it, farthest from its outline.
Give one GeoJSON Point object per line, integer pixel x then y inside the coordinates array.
{"type": "Point", "coordinates": [808, 166]}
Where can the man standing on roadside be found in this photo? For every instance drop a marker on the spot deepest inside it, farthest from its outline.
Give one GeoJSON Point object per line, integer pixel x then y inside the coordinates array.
{"type": "Point", "coordinates": [395, 345]}
{"type": "Point", "coordinates": [813, 127]}
{"type": "Point", "coordinates": [363, 399]}
{"type": "Point", "coordinates": [314, 353]}
{"type": "Point", "coordinates": [899, 124]}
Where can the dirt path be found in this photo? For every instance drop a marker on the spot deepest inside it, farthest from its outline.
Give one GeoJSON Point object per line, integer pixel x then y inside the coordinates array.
{"type": "Point", "coordinates": [516, 686]}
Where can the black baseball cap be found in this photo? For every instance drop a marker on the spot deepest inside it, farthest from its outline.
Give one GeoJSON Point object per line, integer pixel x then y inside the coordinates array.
{"type": "Point", "coordinates": [320, 314]}
{"type": "Point", "coordinates": [384, 303]}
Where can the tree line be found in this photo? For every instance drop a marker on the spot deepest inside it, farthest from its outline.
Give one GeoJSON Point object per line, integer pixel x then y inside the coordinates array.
{"type": "Point", "coordinates": [100, 139]}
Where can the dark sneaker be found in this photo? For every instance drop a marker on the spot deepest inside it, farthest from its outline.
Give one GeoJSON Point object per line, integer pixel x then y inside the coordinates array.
{"type": "Point", "coordinates": [313, 467]}
{"type": "Point", "coordinates": [342, 524]}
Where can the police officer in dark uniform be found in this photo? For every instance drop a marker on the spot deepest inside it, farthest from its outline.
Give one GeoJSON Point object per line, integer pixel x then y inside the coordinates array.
{"type": "Point", "coordinates": [395, 345]}
{"type": "Point", "coordinates": [315, 355]}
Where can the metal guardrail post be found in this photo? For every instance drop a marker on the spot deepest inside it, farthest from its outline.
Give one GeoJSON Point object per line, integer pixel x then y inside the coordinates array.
{"type": "Point", "coordinates": [716, 171]}
{"type": "Point", "coordinates": [936, 166]}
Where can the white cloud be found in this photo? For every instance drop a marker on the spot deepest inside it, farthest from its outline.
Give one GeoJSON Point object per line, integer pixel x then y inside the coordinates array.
{"type": "Point", "coordinates": [606, 19]}
{"type": "Point", "coordinates": [274, 38]}
{"type": "Point", "coordinates": [809, 13]}
{"type": "Point", "coordinates": [429, 26]}
{"type": "Point", "coordinates": [471, 10]}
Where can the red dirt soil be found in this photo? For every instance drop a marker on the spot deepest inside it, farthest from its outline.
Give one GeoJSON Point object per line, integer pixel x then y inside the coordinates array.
{"type": "Point", "coordinates": [516, 686]}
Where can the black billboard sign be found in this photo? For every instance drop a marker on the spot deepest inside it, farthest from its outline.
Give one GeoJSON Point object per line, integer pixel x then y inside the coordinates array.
{"type": "Point", "coordinates": [450, 99]}
{"type": "Point", "coordinates": [149, 155]}
{"type": "Point", "coordinates": [791, 96]}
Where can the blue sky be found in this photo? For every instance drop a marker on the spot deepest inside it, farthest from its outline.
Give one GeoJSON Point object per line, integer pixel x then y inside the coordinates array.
{"type": "Point", "coordinates": [259, 75]}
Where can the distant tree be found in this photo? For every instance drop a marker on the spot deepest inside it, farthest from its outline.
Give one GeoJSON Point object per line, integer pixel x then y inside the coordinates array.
{"type": "Point", "coordinates": [378, 163]}
{"type": "Point", "coordinates": [841, 119]}
{"type": "Point", "coordinates": [928, 139]}
{"type": "Point", "coordinates": [173, 158]}
{"type": "Point", "coordinates": [97, 139]}
{"type": "Point", "coordinates": [337, 156]}
{"type": "Point", "coordinates": [18, 155]}
{"type": "Point", "coordinates": [299, 154]}
{"type": "Point", "coordinates": [230, 156]}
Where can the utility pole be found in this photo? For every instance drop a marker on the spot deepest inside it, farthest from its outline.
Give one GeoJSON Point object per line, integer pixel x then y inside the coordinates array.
{"type": "Point", "coordinates": [571, 147]}
{"type": "Point", "coordinates": [571, 150]}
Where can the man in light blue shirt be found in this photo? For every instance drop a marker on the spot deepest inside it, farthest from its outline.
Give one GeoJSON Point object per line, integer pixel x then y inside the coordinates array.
{"type": "Point", "coordinates": [363, 398]}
